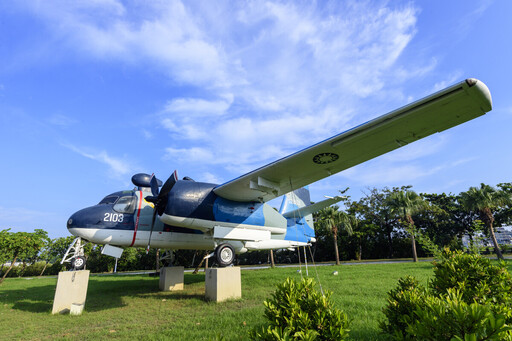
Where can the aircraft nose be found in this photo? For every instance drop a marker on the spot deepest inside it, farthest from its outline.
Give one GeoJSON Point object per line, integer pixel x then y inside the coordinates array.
{"type": "Point", "coordinates": [74, 224]}
{"type": "Point", "coordinates": [85, 218]}
{"type": "Point", "coordinates": [72, 221]}
{"type": "Point", "coordinates": [77, 221]}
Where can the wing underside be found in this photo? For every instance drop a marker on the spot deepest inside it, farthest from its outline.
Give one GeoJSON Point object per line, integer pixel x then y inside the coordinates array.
{"type": "Point", "coordinates": [447, 108]}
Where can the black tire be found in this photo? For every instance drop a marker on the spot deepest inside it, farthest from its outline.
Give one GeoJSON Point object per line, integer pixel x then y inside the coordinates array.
{"type": "Point", "coordinates": [224, 255]}
{"type": "Point", "coordinates": [78, 263]}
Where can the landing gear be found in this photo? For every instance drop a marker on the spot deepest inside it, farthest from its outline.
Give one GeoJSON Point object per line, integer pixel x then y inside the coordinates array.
{"type": "Point", "coordinates": [167, 258]}
{"type": "Point", "coordinates": [75, 255]}
{"type": "Point", "coordinates": [78, 263]}
{"type": "Point", "coordinates": [224, 255]}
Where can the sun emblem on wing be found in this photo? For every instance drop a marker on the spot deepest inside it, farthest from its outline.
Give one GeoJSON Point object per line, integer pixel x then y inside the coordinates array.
{"type": "Point", "coordinates": [324, 158]}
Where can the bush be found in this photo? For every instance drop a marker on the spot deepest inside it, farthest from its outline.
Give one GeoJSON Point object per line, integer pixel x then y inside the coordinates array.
{"type": "Point", "coordinates": [468, 299]}
{"type": "Point", "coordinates": [476, 278]}
{"type": "Point", "coordinates": [33, 270]}
{"type": "Point", "coordinates": [403, 301]}
{"type": "Point", "coordinates": [450, 318]}
{"type": "Point", "coordinates": [297, 311]}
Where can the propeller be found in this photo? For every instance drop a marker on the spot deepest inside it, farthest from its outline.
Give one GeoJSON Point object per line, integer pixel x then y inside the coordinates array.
{"type": "Point", "coordinates": [159, 199]}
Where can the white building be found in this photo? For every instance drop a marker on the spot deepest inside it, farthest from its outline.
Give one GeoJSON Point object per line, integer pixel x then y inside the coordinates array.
{"type": "Point", "coordinates": [503, 237]}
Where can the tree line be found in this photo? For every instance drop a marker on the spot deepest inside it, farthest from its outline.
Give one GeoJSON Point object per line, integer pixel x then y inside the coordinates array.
{"type": "Point", "coordinates": [384, 223]}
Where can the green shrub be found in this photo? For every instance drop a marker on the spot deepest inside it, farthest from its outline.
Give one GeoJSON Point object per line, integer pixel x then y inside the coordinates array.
{"type": "Point", "coordinates": [406, 298]}
{"type": "Point", "coordinates": [468, 299]}
{"type": "Point", "coordinates": [15, 271]}
{"type": "Point", "coordinates": [297, 311]}
{"type": "Point", "coordinates": [476, 278]}
{"type": "Point", "coordinates": [451, 318]}
{"type": "Point", "coordinates": [54, 269]}
{"type": "Point", "coordinates": [33, 269]}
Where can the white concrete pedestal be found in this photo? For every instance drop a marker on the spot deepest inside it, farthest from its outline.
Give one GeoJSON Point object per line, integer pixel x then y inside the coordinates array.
{"type": "Point", "coordinates": [171, 278]}
{"type": "Point", "coordinates": [71, 291]}
{"type": "Point", "coordinates": [223, 283]}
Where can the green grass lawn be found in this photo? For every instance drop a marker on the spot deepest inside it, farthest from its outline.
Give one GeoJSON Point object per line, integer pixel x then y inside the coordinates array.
{"type": "Point", "coordinates": [131, 307]}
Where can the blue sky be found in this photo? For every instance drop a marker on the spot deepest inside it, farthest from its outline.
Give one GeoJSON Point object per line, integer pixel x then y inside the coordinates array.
{"type": "Point", "coordinates": [92, 92]}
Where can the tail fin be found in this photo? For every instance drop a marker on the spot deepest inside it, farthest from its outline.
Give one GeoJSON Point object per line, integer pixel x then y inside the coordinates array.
{"type": "Point", "coordinates": [300, 228]}
{"type": "Point", "coordinates": [294, 200]}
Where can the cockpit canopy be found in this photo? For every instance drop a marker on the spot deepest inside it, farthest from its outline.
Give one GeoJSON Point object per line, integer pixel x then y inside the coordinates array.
{"type": "Point", "coordinates": [124, 202]}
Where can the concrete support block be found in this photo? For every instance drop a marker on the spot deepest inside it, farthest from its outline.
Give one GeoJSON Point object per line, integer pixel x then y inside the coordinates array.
{"type": "Point", "coordinates": [223, 283]}
{"type": "Point", "coordinates": [171, 278]}
{"type": "Point", "coordinates": [71, 290]}
{"type": "Point", "coordinates": [76, 309]}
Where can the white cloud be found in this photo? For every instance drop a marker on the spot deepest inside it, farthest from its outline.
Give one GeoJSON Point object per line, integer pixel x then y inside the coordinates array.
{"type": "Point", "coordinates": [161, 32]}
{"type": "Point", "coordinates": [508, 110]}
{"type": "Point", "coordinates": [267, 78]}
{"type": "Point", "coordinates": [305, 69]}
{"type": "Point", "coordinates": [194, 154]}
{"type": "Point", "coordinates": [418, 149]}
{"type": "Point", "coordinates": [199, 107]}
{"type": "Point", "coordinates": [147, 134]}
{"type": "Point", "coordinates": [20, 216]}
{"type": "Point", "coordinates": [118, 168]}
{"type": "Point", "coordinates": [388, 173]}
{"type": "Point", "coordinates": [449, 80]}
{"type": "Point", "coordinates": [384, 172]}
{"type": "Point", "coordinates": [62, 121]}
{"type": "Point", "coordinates": [210, 178]}
{"type": "Point", "coordinates": [19, 219]}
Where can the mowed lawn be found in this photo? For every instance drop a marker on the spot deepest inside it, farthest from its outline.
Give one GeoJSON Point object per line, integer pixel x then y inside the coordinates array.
{"type": "Point", "coordinates": [132, 307]}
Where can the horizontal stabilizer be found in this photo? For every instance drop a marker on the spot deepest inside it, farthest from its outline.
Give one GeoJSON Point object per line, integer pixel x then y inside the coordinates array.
{"type": "Point", "coordinates": [306, 210]}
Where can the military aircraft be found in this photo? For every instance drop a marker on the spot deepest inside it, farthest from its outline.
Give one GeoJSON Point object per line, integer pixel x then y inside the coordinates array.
{"type": "Point", "coordinates": [234, 217]}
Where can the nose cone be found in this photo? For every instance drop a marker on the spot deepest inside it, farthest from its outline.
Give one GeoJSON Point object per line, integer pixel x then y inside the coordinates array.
{"type": "Point", "coordinates": [86, 218]}
{"type": "Point", "coordinates": [76, 222]}
{"type": "Point", "coordinates": [72, 221]}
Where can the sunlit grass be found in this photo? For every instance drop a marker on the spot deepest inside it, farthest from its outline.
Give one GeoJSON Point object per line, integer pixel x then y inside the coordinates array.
{"type": "Point", "coordinates": [131, 307]}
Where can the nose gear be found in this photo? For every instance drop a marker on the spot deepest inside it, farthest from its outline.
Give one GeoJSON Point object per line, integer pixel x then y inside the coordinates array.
{"type": "Point", "coordinates": [75, 255]}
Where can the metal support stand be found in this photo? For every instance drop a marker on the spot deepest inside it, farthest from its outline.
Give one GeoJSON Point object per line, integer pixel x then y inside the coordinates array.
{"type": "Point", "coordinates": [167, 258]}
{"type": "Point", "coordinates": [76, 249]}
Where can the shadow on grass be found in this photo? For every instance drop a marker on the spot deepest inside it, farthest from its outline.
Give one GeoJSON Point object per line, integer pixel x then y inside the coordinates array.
{"type": "Point", "coordinates": [103, 293]}
{"type": "Point", "coordinates": [36, 299]}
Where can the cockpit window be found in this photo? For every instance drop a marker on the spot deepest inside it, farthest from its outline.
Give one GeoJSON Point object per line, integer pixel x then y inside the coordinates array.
{"type": "Point", "coordinates": [108, 200]}
{"type": "Point", "coordinates": [125, 204]}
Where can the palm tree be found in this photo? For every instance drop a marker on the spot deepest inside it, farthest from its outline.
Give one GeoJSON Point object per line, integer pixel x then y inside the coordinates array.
{"type": "Point", "coordinates": [405, 204]}
{"type": "Point", "coordinates": [332, 219]}
{"type": "Point", "coordinates": [485, 200]}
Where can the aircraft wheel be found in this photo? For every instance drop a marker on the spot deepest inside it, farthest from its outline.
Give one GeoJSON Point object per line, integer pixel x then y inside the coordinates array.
{"type": "Point", "coordinates": [78, 263]}
{"type": "Point", "coordinates": [225, 255]}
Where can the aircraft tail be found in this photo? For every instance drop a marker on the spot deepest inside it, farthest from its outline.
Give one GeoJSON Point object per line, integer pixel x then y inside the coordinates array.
{"type": "Point", "coordinates": [300, 226]}
{"type": "Point", "coordinates": [298, 211]}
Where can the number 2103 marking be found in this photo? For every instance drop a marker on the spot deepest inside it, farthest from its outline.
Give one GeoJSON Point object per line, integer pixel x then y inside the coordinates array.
{"type": "Point", "coordinates": [114, 217]}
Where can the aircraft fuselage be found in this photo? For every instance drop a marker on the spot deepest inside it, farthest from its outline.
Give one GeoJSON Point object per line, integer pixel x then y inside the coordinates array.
{"type": "Point", "coordinates": [194, 218]}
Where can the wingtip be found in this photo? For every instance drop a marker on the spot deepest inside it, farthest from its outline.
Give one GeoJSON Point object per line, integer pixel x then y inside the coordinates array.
{"type": "Point", "coordinates": [484, 92]}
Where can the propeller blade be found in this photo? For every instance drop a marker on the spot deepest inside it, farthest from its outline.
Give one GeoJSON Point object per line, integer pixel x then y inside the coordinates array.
{"type": "Point", "coordinates": [166, 188]}
{"type": "Point", "coordinates": [168, 185]}
{"type": "Point", "coordinates": [153, 182]}
{"type": "Point", "coordinates": [159, 199]}
{"type": "Point", "coordinates": [151, 231]}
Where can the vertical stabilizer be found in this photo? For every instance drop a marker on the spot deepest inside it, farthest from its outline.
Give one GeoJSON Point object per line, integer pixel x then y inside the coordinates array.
{"type": "Point", "coordinates": [294, 200]}
{"type": "Point", "coordinates": [299, 228]}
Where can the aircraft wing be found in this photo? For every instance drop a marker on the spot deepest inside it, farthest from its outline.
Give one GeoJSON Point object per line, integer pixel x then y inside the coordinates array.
{"type": "Point", "coordinates": [444, 109]}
